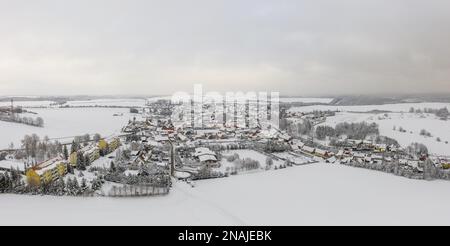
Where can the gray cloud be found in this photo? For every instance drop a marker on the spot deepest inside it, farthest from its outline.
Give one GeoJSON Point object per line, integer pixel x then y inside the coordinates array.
{"type": "Point", "coordinates": [158, 47]}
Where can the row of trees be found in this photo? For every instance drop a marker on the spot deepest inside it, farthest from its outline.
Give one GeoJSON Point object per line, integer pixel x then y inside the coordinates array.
{"type": "Point", "coordinates": [38, 121]}
{"type": "Point", "coordinates": [11, 182]}
{"type": "Point", "coordinates": [417, 149]}
{"type": "Point", "coordinates": [358, 130]}
{"type": "Point", "coordinates": [70, 187]}
{"type": "Point", "coordinates": [243, 164]}
{"type": "Point", "coordinates": [276, 146]}
{"type": "Point", "coordinates": [152, 176]}
{"type": "Point", "coordinates": [38, 150]}
{"type": "Point", "coordinates": [442, 113]}
{"type": "Point", "coordinates": [83, 141]}
{"type": "Point", "coordinates": [425, 133]}
{"type": "Point", "coordinates": [301, 128]}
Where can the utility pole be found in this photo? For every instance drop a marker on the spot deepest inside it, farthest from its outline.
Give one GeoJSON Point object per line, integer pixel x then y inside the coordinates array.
{"type": "Point", "coordinates": [12, 109]}
{"type": "Point", "coordinates": [172, 159]}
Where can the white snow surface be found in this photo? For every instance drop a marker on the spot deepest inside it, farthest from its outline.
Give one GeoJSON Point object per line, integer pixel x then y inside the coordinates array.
{"type": "Point", "coordinates": [125, 102]}
{"type": "Point", "coordinates": [26, 104]}
{"type": "Point", "coordinates": [66, 122]}
{"type": "Point", "coordinates": [411, 122]}
{"type": "Point", "coordinates": [398, 107]}
{"type": "Point", "coordinates": [12, 164]}
{"type": "Point", "coordinates": [282, 99]}
{"type": "Point", "coordinates": [305, 99]}
{"type": "Point", "coordinates": [318, 194]}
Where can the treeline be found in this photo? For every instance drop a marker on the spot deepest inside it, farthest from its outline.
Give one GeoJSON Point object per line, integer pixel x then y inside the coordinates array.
{"type": "Point", "coordinates": [352, 130]}
{"type": "Point", "coordinates": [38, 122]}
{"type": "Point", "coordinates": [273, 146]}
{"type": "Point", "coordinates": [442, 113]}
{"type": "Point", "coordinates": [70, 187]}
{"type": "Point", "coordinates": [301, 128]}
{"type": "Point", "coordinates": [39, 149]}
{"type": "Point", "coordinates": [158, 178]}
{"type": "Point", "coordinates": [244, 164]}
{"type": "Point", "coordinates": [417, 149]}
{"type": "Point", "coordinates": [12, 182]}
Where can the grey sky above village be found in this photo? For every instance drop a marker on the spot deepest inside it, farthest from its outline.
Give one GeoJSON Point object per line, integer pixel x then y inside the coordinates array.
{"type": "Point", "coordinates": [159, 47]}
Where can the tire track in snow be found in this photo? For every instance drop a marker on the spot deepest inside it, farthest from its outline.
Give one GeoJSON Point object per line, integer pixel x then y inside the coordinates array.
{"type": "Point", "coordinates": [212, 204]}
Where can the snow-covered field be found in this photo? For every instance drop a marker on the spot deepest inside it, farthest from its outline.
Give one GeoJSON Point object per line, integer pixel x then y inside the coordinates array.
{"type": "Point", "coordinates": [25, 104]}
{"type": "Point", "coordinates": [66, 122]}
{"type": "Point", "coordinates": [318, 194]}
{"type": "Point", "coordinates": [399, 116]}
{"type": "Point", "coordinates": [126, 102]}
{"type": "Point", "coordinates": [411, 122]}
{"type": "Point", "coordinates": [252, 154]}
{"type": "Point", "coordinates": [305, 99]}
{"type": "Point", "coordinates": [399, 107]}
{"type": "Point", "coordinates": [282, 99]}
{"type": "Point", "coordinates": [12, 164]}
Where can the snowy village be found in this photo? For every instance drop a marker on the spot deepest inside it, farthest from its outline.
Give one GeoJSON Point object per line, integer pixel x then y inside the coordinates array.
{"type": "Point", "coordinates": [224, 113]}
{"type": "Point", "coordinates": [150, 151]}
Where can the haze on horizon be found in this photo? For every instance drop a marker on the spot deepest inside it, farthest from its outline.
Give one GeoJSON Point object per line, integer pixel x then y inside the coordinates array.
{"type": "Point", "coordinates": [295, 47]}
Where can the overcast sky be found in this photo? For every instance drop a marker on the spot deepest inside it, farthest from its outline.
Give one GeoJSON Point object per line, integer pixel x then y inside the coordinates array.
{"type": "Point", "coordinates": [159, 47]}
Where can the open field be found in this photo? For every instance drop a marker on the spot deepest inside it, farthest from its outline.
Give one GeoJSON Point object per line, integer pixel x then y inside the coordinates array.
{"type": "Point", "coordinates": [398, 107]}
{"type": "Point", "coordinates": [413, 123]}
{"type": "Point", "coordinates": [318, 194]}
{"type": "Point", "coordinates": [126, 102]}
{"type": "Point", "coordinates": [65, 122]}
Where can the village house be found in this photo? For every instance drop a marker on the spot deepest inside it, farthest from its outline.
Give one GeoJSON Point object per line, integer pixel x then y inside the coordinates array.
{"type": "Point", "coordinates": [380, 148]}
{"type": "Point", "coordinates": [377, 159]}
{"type": "Point", "coordinates": [296, 144]}
{"type": "Point", "coordinates": [206, 156]}
{"type": "Point", "coordinates": [415, 165]}
{"type": "Point", "coordinates": [161, 138]}
{"type": "Point", "coordinates": [359, 157]}
{"type": "Point", "coordinates": [322, 153]}
{"type": "Point", "coordinates": [309, 150]}
{"type": "Point", "coordinates": [331, 159]}
{"type": "Point", "coordinates": [283, 136]}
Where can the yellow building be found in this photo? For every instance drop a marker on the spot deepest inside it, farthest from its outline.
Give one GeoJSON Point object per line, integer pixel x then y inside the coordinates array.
{"type": "Point", "coordinates": [73, 158]}
{"type": "Point", "coordinates": [32, 177]}
{"type": "Point", "coordinates": [92, 152]}
{"type": "Point", "coordinates": [47, 171]}
{"type": "Point", "coordinates": [103, 145]}
{"type": "Point", "coordinates": [113, 144]}
{"type": "Point", "coordinates": [108, 146]}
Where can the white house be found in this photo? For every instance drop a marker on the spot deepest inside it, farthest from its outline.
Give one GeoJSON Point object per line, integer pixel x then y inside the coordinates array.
{"type": "Point", "coordinates": [206, 156]}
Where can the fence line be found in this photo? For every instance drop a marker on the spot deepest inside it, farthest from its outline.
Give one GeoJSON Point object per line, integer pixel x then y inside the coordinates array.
{"type": "Point", "coordinates": [137, 190]}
